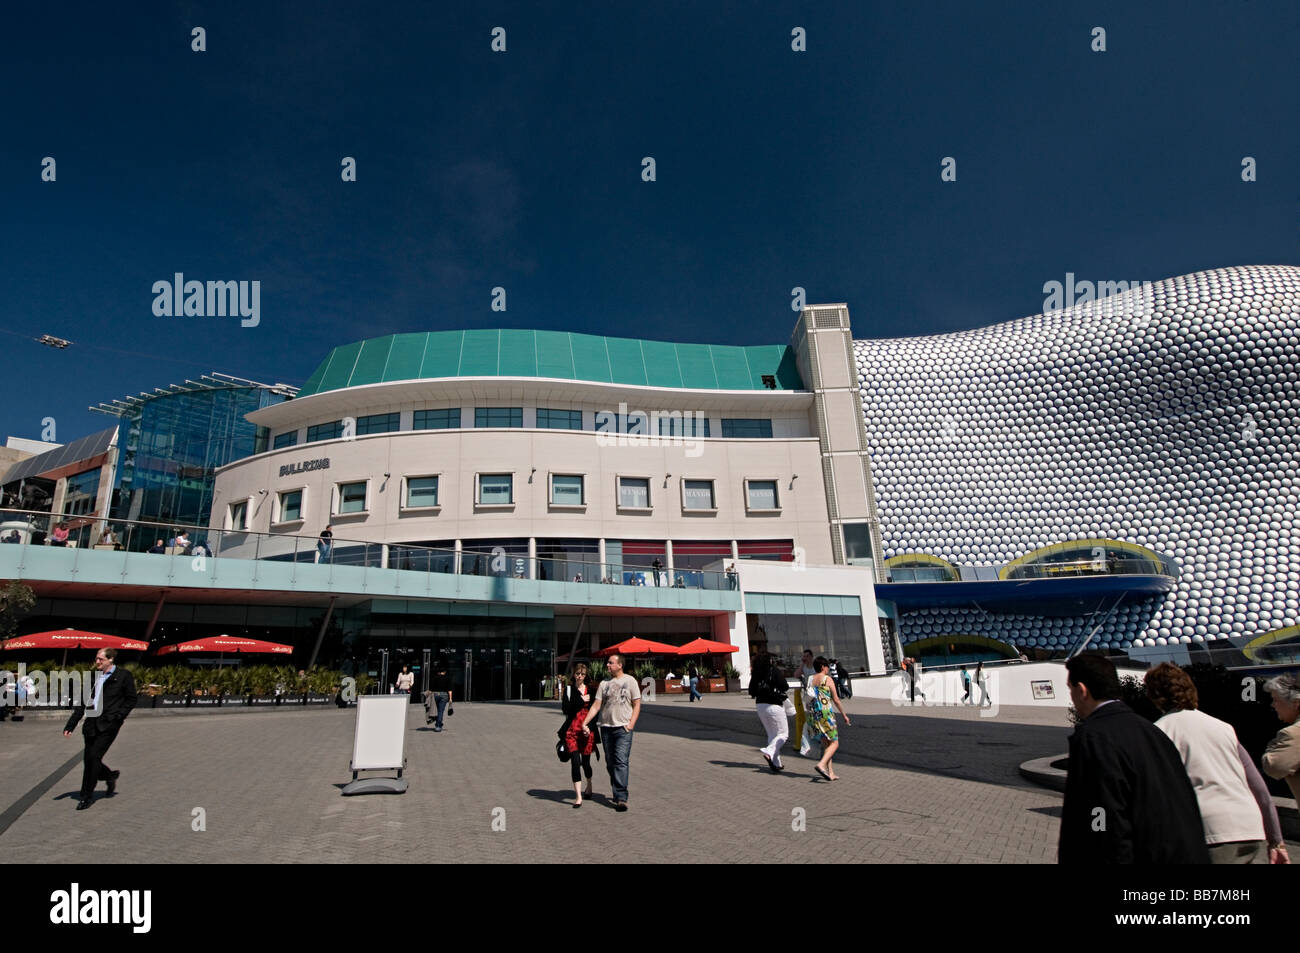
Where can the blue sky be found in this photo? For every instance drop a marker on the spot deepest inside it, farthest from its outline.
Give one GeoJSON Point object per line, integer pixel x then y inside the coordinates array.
{"type": "Point", "coordinates": [522, 169]}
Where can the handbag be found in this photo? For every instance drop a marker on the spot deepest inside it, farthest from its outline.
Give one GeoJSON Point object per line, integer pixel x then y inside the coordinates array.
{"type": "Point", "coordinates": [788, 708]}
{"type": "Point", "coordinates": [561, 751]}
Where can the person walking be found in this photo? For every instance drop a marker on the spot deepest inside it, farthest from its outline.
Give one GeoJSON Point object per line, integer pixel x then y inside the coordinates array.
{"type": "Point", "coordinates": [693, 674]}
{"type": "Point", "coordinates": [821, 717]}
{"type": "Point", "coordinates": [618, 705]}
{"type": "Point", "coordinates": [405, 680]}
{"type": "Point", "coordinates": [982, 681]}
{"type": "Point", "coordinates": [439, 696]}
{"type": "Point", "coordinates": [770, 692]}
{"type": "Point", "coordinates": [1282, 756]}
{"type": "Point", "coordinates": [806, 671]}
{"type": "Point", "coordinates": [325, 545]}
{"type": "Point", "coordinates": [112, 701]}
{"type": "Point", "coordinates": [575, 701]}
{"type": "Point", "coordinates": [1237, 812]}
{"type": "Point", "coordinates": [965, 683]}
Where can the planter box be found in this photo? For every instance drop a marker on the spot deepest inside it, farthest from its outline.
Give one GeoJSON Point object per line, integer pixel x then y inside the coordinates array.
{"type": "Point", "coordinates": [234, 700]}
{"type": "Point", "coordinates": [713, 685]}
{"type": "Point", "coordinates": [733, 684]}
{"type": "Point", "coordinates": [314, 699]}
{"type": "Point", "coordinates": [263, 700]}
{"type": "Point", "coordinates": [171, 701]}
{"type": "Point", "coordinates": [666, 686]}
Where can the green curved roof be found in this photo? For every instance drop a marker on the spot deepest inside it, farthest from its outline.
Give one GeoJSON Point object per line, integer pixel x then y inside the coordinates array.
{"type": "Point", "coordinates": [582, 357]}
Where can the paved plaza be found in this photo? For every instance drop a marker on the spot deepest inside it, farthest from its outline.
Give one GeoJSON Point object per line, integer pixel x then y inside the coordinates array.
{"type": "Point", "coordinates": [917, 786]}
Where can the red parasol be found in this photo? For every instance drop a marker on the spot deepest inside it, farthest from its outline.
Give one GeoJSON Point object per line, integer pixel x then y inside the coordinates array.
{"type": "Point", "coordinates": [71, 639]}
{"type": "Point", "coordinates": [706, 647]}
{"type": "Point", "coordinates": [228, 643]}
{"type": "Point", "coordinates": [635, 646]}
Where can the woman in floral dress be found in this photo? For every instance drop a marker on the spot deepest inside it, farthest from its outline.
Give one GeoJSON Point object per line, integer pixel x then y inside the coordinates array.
{"type": "Point", "coordinates": [576, 701]}
{"type": "Point", "coordinates": [821, 716]}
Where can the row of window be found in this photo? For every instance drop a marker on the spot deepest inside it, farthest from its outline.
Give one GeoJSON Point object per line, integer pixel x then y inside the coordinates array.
{"type": "Point", "coordinates": [507, 417]}
{"type": "Point", "coordinates": [498, 489]}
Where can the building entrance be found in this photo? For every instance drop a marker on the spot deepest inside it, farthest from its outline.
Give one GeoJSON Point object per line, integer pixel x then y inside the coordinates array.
{"type": "Point", "coordinates": [487, 658]}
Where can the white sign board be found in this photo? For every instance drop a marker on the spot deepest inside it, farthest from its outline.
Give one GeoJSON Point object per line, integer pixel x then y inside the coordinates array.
{"type": "Point", "coordinates": [380, 741]}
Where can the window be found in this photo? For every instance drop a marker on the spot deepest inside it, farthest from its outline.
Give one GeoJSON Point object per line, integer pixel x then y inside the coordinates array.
{"type": "Point", "coordinates": [746, 427]}
{"type": "Point", "coordinates": [289, 439]}
{"type": "Point", "coordinates": [634, 492]}
{"type": "Point", "coordinates": [378, 423]}
{"type": "Point", "coordinates": [290, 506]}
{"type": "Point", "coordinates": [698, 495]}
{"type": "Point", "coordinates": [352, 497]}
{"type": "Point", "coordinates": [761, 495]}
{"type": "Point", "coordinates": [687, 425]}
{"type": "Point", "coordinates": [857, 544]}
{"type": "Point", "coordinates": [421, 491]}
{"type": "Point", "coordinates": [82, 491]}
{"type": "Point", "coordinates": [239, 515]}
{"type": "Point", "coordinates": [446, 419]}
{"type": "Point", "coordinates": [496, 489]}
{"type": "Point", "coordinates": [498, 416]}
{"type": "Point", "coordinates": [330, 431]}
{"type": "Point", "coordinates": [566, 490]}
{"type": "Point", "coordinates": [559, 419]}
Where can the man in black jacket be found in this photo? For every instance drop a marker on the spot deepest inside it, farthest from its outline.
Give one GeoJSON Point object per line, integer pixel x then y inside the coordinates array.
{"type": "Point", "coordinates": [113, 700]}
{"type": "Point", "coordinates": [1128, 799]}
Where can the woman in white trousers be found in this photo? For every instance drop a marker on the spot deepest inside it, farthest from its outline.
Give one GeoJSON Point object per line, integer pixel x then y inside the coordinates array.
{"type": "Point", "coordinates": [768, 688]}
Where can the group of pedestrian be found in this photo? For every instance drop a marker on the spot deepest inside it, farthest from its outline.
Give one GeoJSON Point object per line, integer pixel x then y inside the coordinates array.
{"type": "Point", "coordinates": [1181, 790]}
{"type": "Point", "coordinates": [980, 682]}
{"type": "Point", "coordinates": [815, 724]}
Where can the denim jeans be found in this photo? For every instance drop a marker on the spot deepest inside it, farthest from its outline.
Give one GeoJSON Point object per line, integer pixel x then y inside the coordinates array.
{"type": "Point", "coordinates": [440, 699]}
{"type": "Point", "coordinates": [695, 690]}
{"type": "Point", "coordinates": [618, 751]}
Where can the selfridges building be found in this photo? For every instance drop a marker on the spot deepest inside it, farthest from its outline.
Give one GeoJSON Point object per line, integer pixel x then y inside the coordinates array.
{"type": "Point", "coordinates": [1165, 422]}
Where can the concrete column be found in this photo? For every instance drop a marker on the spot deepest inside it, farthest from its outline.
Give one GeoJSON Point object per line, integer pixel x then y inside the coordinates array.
{"type": "Point", "coordinates": [456, 559]}
{"type": "Point", "coordinates": [600, 555]}
{"type": "Point", "coordinates": [735, 551]}
{"type": "Point", "coordinates": [668, 558]}
{"type": "Point", "coordinates": [532, 557]}
{"type": "Point", "coordinates": [383, 556]}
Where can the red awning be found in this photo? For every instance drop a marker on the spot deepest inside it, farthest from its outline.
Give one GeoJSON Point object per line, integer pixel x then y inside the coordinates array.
{"type": "Point", "coordinates": [706, 647]}
{"type": "Point", "coordinates": [228, 643]}
{"type": "Point", "coordinates": [72, 639]}
{"type": "Point", "coordinates": [635, 646]}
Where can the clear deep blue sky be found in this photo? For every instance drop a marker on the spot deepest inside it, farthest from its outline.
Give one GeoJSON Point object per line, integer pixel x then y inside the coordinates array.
{"type": "Point", "coordinates": [522, 169]}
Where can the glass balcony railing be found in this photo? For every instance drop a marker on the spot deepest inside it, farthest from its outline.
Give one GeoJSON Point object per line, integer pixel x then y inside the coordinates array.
{"type": "Point", "coordinates": [30, 528]}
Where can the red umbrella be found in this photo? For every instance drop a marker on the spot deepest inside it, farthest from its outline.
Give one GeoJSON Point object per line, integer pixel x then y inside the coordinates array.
{"type": "Point", "coordinates": [228, 643]}
{"type": "Point", "coordinates": [635, 646]}
{"type": "Point", "coordinates": [706, 647]}
{"type": "Point", "coordinates": [71, 639]}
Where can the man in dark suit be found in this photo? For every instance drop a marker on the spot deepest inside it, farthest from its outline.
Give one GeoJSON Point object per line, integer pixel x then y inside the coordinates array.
{"type": "Point", "coordinates": [113, 700]}
{"type": "Point", "coordinates": [1128, 799]}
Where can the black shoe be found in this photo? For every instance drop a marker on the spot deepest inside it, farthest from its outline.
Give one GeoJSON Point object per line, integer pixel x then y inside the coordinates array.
{"type": "Point", "coordinates": [83, 804]}
{"type": "Point", "coordinates": [620, 805]}
{"type": "Point", "coordinates": [112, 783]}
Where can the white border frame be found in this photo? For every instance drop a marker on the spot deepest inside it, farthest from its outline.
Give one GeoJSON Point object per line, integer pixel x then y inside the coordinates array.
{"type": "Point", "coordinates": [402, 506]}
{"type": "Point", "coordinates": [649, 493]}
{"type": "Point", "coordinates": [776, 485]}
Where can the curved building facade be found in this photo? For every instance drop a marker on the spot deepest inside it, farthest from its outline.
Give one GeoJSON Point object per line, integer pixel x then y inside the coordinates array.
{"type": "Point", "coordinates": [1174, 426]}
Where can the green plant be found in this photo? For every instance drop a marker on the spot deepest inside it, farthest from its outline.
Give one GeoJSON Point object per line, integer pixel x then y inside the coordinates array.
{"type": "Point", "coordinates": [643, 671]}
{"type": "Point", "coordinates": [731, 671]}
{"type": "Point", "coordinates": [16, 600]}
{"type": "Point", "coordinates": [597, 670]}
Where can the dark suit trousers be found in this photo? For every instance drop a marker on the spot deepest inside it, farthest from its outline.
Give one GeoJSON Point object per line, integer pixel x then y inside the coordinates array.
{"type": "Point", "coordinates": [97, 746]}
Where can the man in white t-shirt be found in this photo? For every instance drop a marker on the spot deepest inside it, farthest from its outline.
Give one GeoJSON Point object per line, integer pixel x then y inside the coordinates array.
{"type": "Point", "coordinates": [618, 704]}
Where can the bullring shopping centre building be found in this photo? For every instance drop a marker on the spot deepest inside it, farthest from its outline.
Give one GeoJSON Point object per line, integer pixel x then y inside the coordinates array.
{"type": "Point", "coordinates": [1117, 476]}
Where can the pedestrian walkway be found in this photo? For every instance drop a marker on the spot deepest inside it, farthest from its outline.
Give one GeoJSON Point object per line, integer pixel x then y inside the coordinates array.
{"type": "Point", "coordinates": [917, 787]}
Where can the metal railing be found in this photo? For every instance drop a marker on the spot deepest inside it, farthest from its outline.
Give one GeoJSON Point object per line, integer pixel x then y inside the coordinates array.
{"type": "Point", "coordinates": [1047, 570]}
{"type": "Point", "coordinates": [30, 528]}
